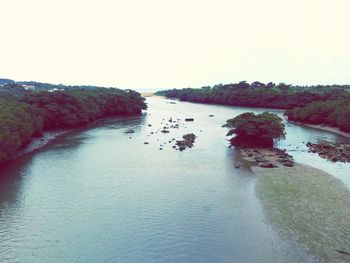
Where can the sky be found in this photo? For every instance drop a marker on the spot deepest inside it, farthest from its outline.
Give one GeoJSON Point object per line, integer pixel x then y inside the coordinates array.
{"type": "Point", "coordinates": [157, 44]}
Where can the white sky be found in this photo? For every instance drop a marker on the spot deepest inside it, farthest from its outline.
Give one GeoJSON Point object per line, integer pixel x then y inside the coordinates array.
{"type": "Point", "coordinates": [180, 43]}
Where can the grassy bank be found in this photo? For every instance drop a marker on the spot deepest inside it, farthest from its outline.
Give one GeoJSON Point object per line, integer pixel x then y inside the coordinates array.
{"type": "Point", "coordinates": [310, 206]}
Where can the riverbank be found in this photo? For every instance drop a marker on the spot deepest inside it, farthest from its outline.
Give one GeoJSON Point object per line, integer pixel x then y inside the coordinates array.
{"type": "Point", "coordinates": [47, 137]}
{"type": "Point", "coordinates": [310, 206]}
{"type": "Point", "coordinates": [39, 142]}
{"type": "Point", "coordinates": [327, 128]}
{"type": "Point", "coordinates": [319, 127]}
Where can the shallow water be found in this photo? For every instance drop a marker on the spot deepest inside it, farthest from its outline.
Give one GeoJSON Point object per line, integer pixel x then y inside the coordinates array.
{"type": "Point", "coordinates": [99, 196]}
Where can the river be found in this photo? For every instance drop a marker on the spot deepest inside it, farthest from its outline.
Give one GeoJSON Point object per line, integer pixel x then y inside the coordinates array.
{"type": "Point", "coordinates": [101, 195]}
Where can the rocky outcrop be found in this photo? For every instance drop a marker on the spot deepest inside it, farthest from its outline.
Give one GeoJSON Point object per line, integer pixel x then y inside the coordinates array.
{"type": "Point", "coordinates": [268, 157]}
{"type": "Point", "coordinates": [187, 142]}
{"type": "Point", "coordinates": [335, 152]}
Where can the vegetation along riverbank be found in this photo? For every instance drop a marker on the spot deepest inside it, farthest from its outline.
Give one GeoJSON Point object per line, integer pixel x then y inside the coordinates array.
{"type": "Point", "coordinates": [317, 105]}
{"type": "Point", "coordinates": [26, 113]}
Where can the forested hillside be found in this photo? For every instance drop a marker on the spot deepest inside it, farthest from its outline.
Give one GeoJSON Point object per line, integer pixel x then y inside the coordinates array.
{"type": "Point", "coordinates": [24, 114]}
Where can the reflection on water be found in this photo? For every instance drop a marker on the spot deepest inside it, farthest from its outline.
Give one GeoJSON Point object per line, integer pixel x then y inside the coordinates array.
{"type": "Point", "coordinates": [101, 196]}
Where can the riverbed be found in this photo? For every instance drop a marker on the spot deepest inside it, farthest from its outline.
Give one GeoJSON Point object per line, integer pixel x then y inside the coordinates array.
{"type": "Point", "coordinates": [102, 195]}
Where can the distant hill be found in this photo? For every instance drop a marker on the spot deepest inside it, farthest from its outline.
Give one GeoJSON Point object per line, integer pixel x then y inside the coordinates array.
{"type": "Point", "coordinates": [6, 81]}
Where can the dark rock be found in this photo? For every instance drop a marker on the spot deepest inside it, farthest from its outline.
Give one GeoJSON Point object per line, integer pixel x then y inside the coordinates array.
{"type": "Point", "coordinates": [181, 148]}
{"type": "Point", "coordinates": [130, 131]}
{"type": "Point", "coordinates": [260, 159]}
{"type": "Point", "coordinates": [187, 142]}
{"type": "Point", "coordinates": [266, 164]}
{"type": "Point", "coordinates": [331, 151]}
{"type": "Point", "coordinates": [288, 164]}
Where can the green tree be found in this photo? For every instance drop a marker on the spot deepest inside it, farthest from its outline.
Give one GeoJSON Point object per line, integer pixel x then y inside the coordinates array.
{"type": "Point", "coordinates": [255, 130]}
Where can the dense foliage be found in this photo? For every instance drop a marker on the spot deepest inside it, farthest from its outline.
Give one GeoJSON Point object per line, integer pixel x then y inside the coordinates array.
{"type": "Point", "coordinates": [69, 109]}
{"type": "Point", "coordinates": [27, 114]}
{"type": "Point", "coordinates": [18, 122]}
{"type": "Point", "coordinates": [328, 104]}
{"type": "Point", "coordinates": [255, 130]}
{"type": "Point", "coordinates": [258, 94]}
{"type": "Point", "coordinates": [332, 113]}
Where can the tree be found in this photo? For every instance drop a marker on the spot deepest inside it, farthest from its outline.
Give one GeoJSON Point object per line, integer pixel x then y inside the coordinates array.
{"type": "Point", "coordinates": [255, 130]}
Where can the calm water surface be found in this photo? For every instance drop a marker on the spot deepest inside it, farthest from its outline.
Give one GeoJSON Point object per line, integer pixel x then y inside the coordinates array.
{"type": "Point", "coordinates": [99, 196]}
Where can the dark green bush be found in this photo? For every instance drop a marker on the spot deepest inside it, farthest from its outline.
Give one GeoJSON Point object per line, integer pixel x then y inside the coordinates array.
{"type": "Point", "coordinates": [255, 130]}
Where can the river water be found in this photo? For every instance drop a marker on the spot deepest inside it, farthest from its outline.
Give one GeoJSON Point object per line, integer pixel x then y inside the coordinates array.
{"type": "Point", "coordinates": [101, 195]}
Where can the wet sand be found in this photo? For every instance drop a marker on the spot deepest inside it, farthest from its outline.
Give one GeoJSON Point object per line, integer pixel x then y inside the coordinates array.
{"type": "Point", "coordinates": [39, 142]}
{"type": "Point", "coordinates": [310, 206]}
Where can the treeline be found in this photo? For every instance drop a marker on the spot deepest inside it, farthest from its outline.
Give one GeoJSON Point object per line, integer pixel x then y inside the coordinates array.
{"type": "Point", "coordinates": [42, 86]}
{"type": "Point", "coordinates": [332, 113]}
{"type": "Point", "coordinates": [327, 105]}
{"type": "Point", "coordinates": [257, 94]}
{"type": "Point", "coordinates": [18, 122]}
{"type": "Point", "coordinates": [25, 116]}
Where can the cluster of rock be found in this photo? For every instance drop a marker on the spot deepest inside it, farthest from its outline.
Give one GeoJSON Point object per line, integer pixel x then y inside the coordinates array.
{"type": "Point", "coordinates": [333, 152]}
{"type": "Point", "coordinates": [165, 127]}
{"type": "Point", "coordinates": [172, 124]}
{"type": "Point", "coordinates": [187, 142]}
{"type": "Point", "coordinates": [268, 158]}
{"type": "Point", "coordinates": [284, 158]}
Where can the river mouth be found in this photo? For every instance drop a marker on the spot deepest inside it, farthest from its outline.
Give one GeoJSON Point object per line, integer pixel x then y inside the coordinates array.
{"type": "Point", "coordinates": [102, 195]}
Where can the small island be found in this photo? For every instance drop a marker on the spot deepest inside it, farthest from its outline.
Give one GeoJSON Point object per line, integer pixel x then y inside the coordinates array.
{"type": "Point", "coordinates": [255, 135]}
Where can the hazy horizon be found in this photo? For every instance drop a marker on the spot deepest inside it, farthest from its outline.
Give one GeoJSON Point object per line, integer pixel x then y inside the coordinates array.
{"type": "Point", "coordinates": [157, 44]}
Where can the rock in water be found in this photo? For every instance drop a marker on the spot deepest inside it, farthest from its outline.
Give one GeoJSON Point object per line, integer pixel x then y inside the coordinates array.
{"type": "Point", "coordinates": [130, 131]}
{"type": "Point", "coordinates": [266, 164]}
{"type": "Point", "coordinates": [187, 142]}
